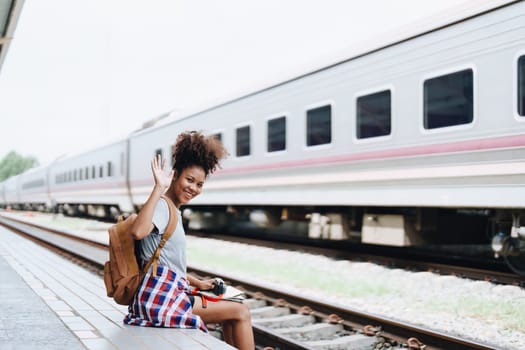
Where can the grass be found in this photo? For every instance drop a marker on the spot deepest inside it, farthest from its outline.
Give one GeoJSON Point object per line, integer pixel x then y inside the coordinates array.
{"type": "Point", "coordinates": [355, 286]}
{"type": "Point", "coordinates": [279, 271]}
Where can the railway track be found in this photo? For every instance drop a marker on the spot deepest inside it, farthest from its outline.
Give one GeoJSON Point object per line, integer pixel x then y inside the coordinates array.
{"type": "Point", "coordinates": [280, 320]}
{"type": "Point", "coordinates": [399, 257]}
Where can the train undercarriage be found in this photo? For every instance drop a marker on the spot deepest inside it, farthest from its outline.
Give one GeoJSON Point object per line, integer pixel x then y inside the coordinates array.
{"type": "Point", "coordinates": [498, 232]}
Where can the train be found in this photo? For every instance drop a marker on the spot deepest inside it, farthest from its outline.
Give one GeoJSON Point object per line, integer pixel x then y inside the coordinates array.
{"type": "Point", "coordinates": [419, 141]}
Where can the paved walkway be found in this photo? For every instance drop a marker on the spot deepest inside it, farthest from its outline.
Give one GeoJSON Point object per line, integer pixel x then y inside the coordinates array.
{"type": "Point", "coordinates": [50, 303]}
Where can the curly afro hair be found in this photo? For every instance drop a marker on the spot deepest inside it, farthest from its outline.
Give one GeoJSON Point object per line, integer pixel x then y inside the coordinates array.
{"type": "Point", "coordinates": [193, 148]}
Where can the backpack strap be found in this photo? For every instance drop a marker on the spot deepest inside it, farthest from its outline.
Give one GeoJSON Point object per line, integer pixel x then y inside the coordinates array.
{"type": "Point", "coordinates": [170, 228]}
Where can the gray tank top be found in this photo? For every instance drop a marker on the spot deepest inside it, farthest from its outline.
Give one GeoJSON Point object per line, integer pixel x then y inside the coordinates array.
{"type": "Point", "coordinates": [173, 255]}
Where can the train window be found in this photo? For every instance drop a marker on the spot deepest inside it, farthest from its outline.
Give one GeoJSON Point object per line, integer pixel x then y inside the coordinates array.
{"type": "Point", "coordinates": [243, 141]}
{"type": "Point", "coordinates": [80, 174]}
{"type": "Point", "coordinates": [448, 100]}
{"type": "Point", "coordinates": [319, 126]}
{"type": "Point", "coordinates": [69, 176]}
{"type": "Point", "coordinates": [276, 134]}
{"type": "Point", "coordinates": [374, 115]}
{"type": "Point", "coordinates": [218, 136]}
{"type": "Point", "coordinates": [101, 171]}
{"type": "Point", "coordinates": [158, 152]}
{"type": "Point", "coordinates": [122, 164]}
{"type": "Point", "coordinates": [87, 173]}
{"type": "Point", "coordinates": [93, 172]}
{"type": "Point", "coordinates": [521, 86]}
{"type": "Point", "coordinates": [33, 184]}
{"type": "Point", "coordinates": [110, 171]}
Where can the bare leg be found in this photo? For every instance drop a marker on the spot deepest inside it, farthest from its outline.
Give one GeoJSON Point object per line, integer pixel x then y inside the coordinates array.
{"type": "Point", "coordinates": [227, 332]}
{"type": "Point", "coordinates": [237, 315]}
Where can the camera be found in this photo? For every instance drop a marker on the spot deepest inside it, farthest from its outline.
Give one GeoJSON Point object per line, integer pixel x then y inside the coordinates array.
{"type": "Point", "coordinates": [219, 287]}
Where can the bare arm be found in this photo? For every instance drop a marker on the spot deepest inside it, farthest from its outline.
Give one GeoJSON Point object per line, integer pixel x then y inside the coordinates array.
{"type": "Point", "coordinates": [143, 225]}
{"type": "Point", "coordinates": [202, 285]}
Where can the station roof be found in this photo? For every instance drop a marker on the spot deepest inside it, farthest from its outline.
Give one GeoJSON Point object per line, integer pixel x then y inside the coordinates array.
{"type": "Point", "coordinates": [9, 13]}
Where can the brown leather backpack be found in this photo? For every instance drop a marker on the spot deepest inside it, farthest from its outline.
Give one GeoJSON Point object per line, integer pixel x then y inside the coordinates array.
{"type": "Point", "coordinates": [122, 274]}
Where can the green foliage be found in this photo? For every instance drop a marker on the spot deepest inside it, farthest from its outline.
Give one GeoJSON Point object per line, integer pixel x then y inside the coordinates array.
{"type": "Point", "coordinates": [14, 164]}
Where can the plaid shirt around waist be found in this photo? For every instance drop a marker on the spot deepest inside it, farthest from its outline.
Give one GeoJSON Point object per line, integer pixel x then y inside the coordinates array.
{"type": "Point", "coordinates": [162, 301]}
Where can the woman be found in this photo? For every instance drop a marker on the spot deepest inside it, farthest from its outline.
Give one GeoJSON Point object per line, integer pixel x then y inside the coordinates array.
{"type": "Point", "coordinates": [162, 299]}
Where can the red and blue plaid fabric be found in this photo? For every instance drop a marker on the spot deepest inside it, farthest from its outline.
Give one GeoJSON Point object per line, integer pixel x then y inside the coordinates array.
{"type": "Point", "coordinates": [162, 301]}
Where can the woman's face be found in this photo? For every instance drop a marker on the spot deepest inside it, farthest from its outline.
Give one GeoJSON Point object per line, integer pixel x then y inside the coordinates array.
{"type": "Point", "coordinates": [188, 184]}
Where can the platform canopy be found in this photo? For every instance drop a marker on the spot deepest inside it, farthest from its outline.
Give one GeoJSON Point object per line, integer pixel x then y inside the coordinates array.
{"type": "Point", "coordinates": [9, 13]}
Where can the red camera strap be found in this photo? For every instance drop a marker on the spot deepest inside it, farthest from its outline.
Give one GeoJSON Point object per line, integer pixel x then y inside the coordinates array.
{"type": "Point", "coordinates": [205, 297]}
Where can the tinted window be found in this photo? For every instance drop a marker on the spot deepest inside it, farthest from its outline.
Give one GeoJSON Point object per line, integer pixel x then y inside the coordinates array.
{"type": "Point", "coordinates": [33, 184]}
{"type": "Point", "coordinates": [521, 86]}
{"type": "Point", "coordinates": [319, 126]}
{"type": "Point", "coordinates": [374, 115]}
{"type": "Point", "coordinates": [122, 163]}
{"type": "Point", "coordinates": [277, 134]}
{"type": "Point", "coordinates": [243, 141]}
{"type": "Point", "coordinates": [218, 136]}
{"type": "Point", "coordinates": [448, 100]}
{"type": "Point", "coordinates": [110, 170]}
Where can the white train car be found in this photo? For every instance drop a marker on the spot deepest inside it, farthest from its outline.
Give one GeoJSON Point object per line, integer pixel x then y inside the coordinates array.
{"type": "Point", "coordinates": [33, 189]}
{"type": "Point", "coordinates": [93, 182]}
{"type": "Point", "coordinates": [11, 192]}
{"type": "Point", "coordinates": [433, 122]}
{"type": "Point", "coordinates": [2, 195]}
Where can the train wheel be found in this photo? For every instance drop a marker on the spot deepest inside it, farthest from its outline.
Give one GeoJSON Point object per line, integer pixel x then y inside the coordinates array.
{"type": "Point", "coordinates": [516, 264]}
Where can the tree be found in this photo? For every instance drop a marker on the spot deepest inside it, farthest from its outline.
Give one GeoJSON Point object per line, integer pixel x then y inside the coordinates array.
{"type": "Point", "coordinates": [14, 164]}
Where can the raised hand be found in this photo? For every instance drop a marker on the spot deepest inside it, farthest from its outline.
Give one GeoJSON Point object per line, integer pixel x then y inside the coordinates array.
{"type": "Point", "coordinates": [158, 167]}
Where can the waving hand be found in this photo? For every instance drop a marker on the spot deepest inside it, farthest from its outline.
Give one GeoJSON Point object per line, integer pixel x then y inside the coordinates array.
{"type": "Point", "coordinates": [158, 167]}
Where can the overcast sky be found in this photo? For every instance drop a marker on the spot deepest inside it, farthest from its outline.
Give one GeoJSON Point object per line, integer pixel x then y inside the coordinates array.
{"type": "Point", "coordinates": [82, 73]}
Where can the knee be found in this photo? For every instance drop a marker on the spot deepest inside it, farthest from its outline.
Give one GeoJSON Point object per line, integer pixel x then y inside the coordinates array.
{"type": "Point", "coordinates": [243, 313]}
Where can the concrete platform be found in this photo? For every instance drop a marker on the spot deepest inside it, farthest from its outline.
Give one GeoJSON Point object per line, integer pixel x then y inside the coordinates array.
{"type": "Point", "coordinates": [49, 303]}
